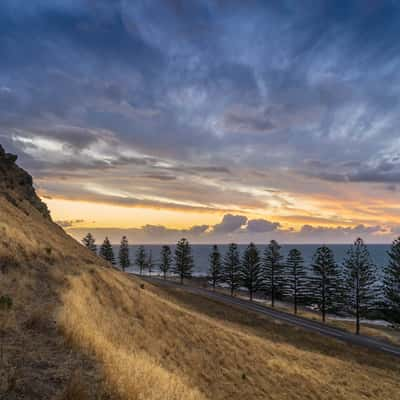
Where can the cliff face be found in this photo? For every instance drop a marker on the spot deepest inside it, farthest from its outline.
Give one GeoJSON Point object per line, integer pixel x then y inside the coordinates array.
{"type": "Point", "coordinates": [16, 185]}
{"type": "Point", "coordinates": [28, 236]}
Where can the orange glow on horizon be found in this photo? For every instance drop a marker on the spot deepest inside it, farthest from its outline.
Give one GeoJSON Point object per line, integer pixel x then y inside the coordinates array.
{"type": "Point", "coordinates": [96, 215]}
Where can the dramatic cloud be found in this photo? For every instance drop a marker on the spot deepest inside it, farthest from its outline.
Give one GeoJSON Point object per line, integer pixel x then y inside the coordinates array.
{"type": "Point", "coordinates": [234, 229]}
{"type": "Point", "coordinates": [230, 223]}
{"type": "Point", "coordinates": [262, 110]}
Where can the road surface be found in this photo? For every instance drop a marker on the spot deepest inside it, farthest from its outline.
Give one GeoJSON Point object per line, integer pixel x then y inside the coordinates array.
{"type": "Point", "coordinates": [310, 325]}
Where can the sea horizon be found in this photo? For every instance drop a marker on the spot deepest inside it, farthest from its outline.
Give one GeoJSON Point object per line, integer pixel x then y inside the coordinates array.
{"type": "Point", "coordinates": [200, 252]}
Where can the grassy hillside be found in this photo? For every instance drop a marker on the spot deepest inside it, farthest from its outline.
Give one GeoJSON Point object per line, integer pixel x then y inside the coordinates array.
{"type": "Point", "coordinates": [157, 344]}
{"type": "Point", "coordinates": [80, 330]}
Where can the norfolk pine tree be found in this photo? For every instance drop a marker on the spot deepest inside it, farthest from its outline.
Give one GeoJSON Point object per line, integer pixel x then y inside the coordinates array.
{"type": "Point", "coordinates": [295, 278]}
{"type": "Point", "coordinates": [90, 242]}
{"type": "Point", "coordinates": [231, 272]}
{"type": "Point", "coordinates": [183, 260]}
{"type": "Point", "coordinates": [215, 268]}
{"type": "Point", "coordinates": [166, 260]}
{"type": "Point", "coordinates": [251, 272]}
{"type": "Point", "coordinates": [392, 282]}
{"type": "Point", "coordinates": [107, 252]}
{"type": "Point", "coordinates": [140, 259]}
{"type": "Point", "coordinates": [325, 280]}
{"type": "Point", "coordinates": [360, 281]}
{"type": "Point", "coordinates": [123, 255]}
{"type": "Point", "coordinates": [149, 262]}
{"type": "Point", "coordinates": [272, 270]}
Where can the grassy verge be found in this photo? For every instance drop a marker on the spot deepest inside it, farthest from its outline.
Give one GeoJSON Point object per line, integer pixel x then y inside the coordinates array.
{"type": "Point", "coordinates": [386, 333]}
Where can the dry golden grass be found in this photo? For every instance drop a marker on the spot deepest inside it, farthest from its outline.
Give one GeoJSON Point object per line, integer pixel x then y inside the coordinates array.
{"type": "Point", "coordinates": [78, 330]}
{"type": "Point", "coordinates": [166, 344]}
{"type": "Point", "coordinates": [37, 362]}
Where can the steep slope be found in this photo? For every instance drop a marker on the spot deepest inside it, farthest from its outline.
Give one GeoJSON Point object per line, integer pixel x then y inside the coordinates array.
{"type": "Point", "coordinates": [81, 330]}
{"type": "Point", "coordinates": [35, 360]}
{"type": "Point", "coordinates": [27, 234]}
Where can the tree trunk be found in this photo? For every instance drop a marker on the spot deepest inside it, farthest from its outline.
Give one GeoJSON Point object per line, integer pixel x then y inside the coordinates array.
{"type": "Point", "coordinates": [295, 293]}
{"type": "Point", "coordinates": [181, 279]}
{"type": "Point", "coordinates": [231, 290]}
{"type": "Point", "coordinates": [272, 287]}
{"type": "Point", "coordinates": [357, 306]}
{"type": "Point", "coordinates": [323, 299]}
{"type": "Point", "coordinates": [251, 295]}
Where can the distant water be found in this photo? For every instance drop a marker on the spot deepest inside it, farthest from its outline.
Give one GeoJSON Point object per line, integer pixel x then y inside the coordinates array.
{"type": "Point", "coordinates": [201, 253]}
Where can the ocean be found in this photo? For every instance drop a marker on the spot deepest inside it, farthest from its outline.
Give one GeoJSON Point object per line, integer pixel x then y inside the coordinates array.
{"type": "Point", "coordinates": [201, 253]}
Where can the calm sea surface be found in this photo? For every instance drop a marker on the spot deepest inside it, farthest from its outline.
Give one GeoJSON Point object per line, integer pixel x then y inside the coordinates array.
{"type": "Point", "coordinates": [201, 253]}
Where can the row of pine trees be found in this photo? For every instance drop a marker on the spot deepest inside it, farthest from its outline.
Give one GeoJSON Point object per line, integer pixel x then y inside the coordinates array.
{"type": "Point", "coordinates": [351, 287]}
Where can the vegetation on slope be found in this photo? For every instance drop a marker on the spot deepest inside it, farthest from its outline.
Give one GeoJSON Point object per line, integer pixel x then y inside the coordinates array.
{"type": "Point", "coordinates": [78, 330]}
{"type": "Point", "coordinates": [157, 343]}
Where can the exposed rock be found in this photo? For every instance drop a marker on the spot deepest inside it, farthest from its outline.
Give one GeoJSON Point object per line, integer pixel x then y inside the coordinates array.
{"type": "Point", "coordinates": [16, 185]}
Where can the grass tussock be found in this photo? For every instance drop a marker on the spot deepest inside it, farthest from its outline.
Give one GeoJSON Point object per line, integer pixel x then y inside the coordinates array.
{"type": "Point", "coordinates": [155, 343]}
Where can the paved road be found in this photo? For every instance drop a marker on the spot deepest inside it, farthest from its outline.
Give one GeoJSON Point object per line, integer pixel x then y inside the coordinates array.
{"type": "Point", "coordinates": [291, 319]}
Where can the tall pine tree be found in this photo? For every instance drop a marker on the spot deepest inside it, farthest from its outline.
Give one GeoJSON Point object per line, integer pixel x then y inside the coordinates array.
{"type": "Point", "coordinates": [215, 268]}
{"type": "Point", "coordinates": [149, 262]}
{"type": "Point", "coordinates": [251, 271]}
{"type": "Point", "coordinates": [183, 260]}
{"type": "Point", "coordinates": [360, 281]}
{"type": "Point", "coordinates": [272, 271]}
{"type": "Point", "coordinates": [107, 252]}
{"type": "Point", "coordinates": [166, 260]}
{"type": "Point", "coordinates": [325, 280]}
{"type": "Point", "coordinates": [90, 242]}
{"type": "Point", "coordinates": [295, 278]}
{"type": "Point", "coordinates": [123, 254]}
{"type": "Point", "coordinates": [140, 259]}
{"type": "Point", "coordinates": [392, 282]}
{"type": "Point", "coordinates": [231, 272]}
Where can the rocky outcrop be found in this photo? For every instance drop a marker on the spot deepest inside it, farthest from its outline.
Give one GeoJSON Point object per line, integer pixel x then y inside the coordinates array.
{"type": "Point", "coordinates": [16, 185]}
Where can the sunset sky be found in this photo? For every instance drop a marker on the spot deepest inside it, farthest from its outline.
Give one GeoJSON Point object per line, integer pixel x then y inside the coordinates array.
{"type": "Point", "coordinates": [215, 120]}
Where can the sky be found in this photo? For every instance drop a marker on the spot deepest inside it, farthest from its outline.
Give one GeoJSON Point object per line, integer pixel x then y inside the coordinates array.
{"type": "Point", "coordinates": [215, 120]}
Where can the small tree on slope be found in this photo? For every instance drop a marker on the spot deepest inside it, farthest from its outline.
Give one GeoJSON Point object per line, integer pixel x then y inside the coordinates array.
{"type": "Point", "coordinates": [251, 272]}
{"type": "Point", "coordinates": [325, 280]}
{"type": "Point", "coordinates": [360, 281]}
{"type": "Point", "coordinates": [295, 282]}
{"type": "Point", "coordinates": [231, 272]}
{"type": "Point", "coordinates": [140, 258]}
{"type": "Point", "coordinates": [123, 255]}
{"type": "Point", "coordinates": [183, 260]}
{"type": "Point", "coordinates": [90, 242]}
{"type": "Point", "coordinates": [166, 260]}
{"type": "Point", "coordinates": [215, 268]}
{"type": "Point", "coordinates": [392, 282]}
{"type": "Point", "coordinates": [106, 251]}
{"type": "Point", "coordinates": [273, 270]}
